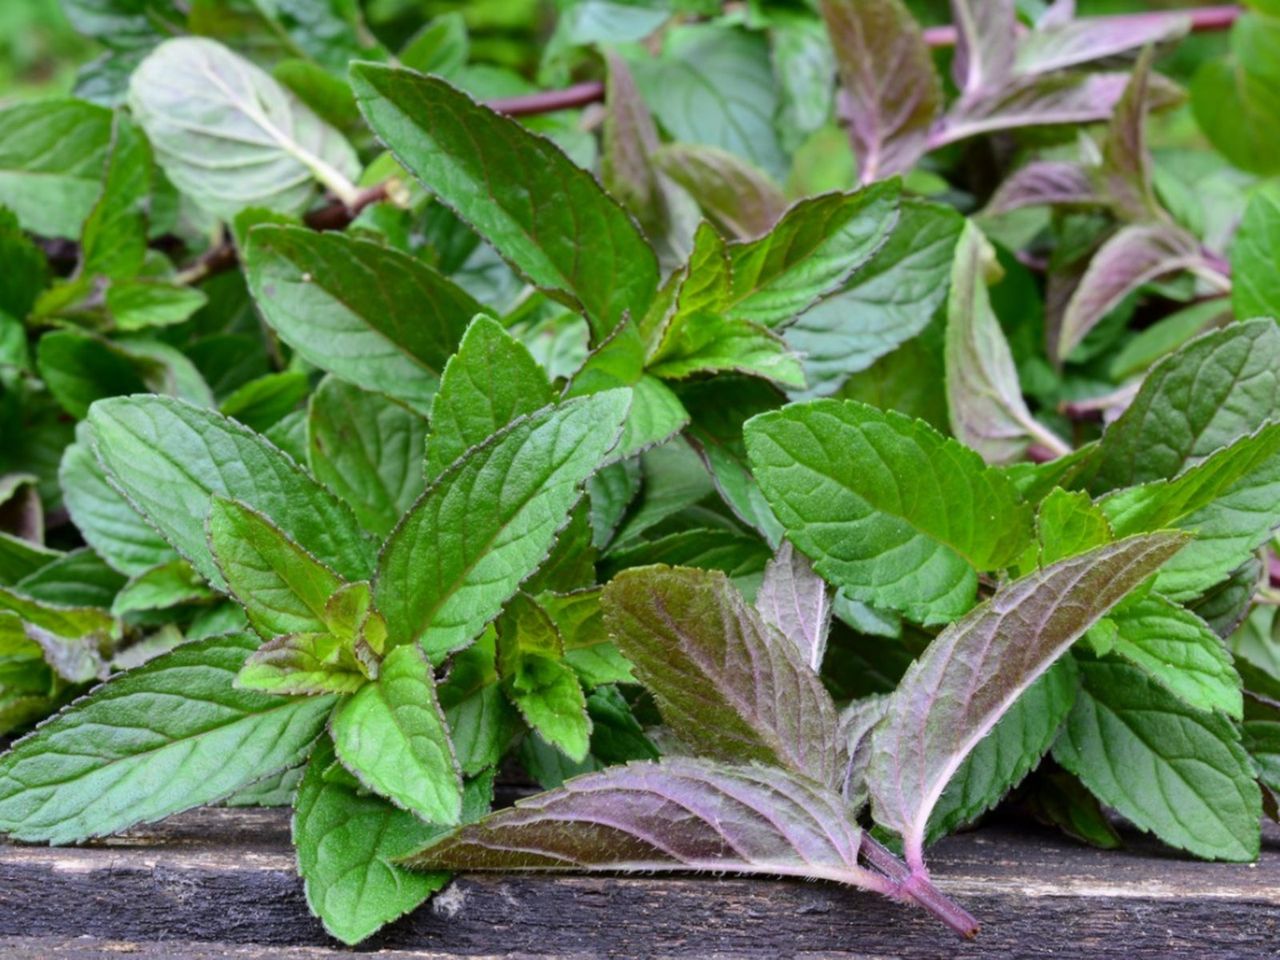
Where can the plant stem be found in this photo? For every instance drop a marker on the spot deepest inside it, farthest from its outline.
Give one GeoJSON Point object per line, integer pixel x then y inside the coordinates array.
{"type": "Point", "coordinates": [549, 101]}
{"type": "Point", "coordinates": [917, 888]}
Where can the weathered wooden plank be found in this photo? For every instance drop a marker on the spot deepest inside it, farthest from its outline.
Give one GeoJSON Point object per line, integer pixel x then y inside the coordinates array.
{"type": "Point", "coordinates": [220, 883]}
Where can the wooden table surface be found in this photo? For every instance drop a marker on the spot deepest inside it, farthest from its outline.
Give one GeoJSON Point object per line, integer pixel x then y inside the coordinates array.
{"type": "Point", "coordinates": [221, 883]}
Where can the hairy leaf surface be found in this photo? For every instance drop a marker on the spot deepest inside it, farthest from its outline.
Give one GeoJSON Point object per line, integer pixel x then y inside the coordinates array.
{"type": "Point", "coordinates": [968, 678]}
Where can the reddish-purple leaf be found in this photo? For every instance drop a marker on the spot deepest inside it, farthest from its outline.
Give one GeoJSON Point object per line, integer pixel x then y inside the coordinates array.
{"type": "Point", "coordinates": [1044, 183]}
{"type": "Point", "coordinates": [1031, 101]}
{"type": "Point", "coordinates": [797, 602]}
{"type": "Point", "coordinates": [1062, 42]}
{"type": "Point", "coordinates": [1134, 256]}
{"type": "Point", "coordinates": [728, 684]}
{"type": "Point", "coordinates": [1126, 165]}
{"type": "Point", "coordinates": [679, 815]}
{"type": "Point", "coordinates": [891, 91]}
{"type": "Point", "coordinates": [986, 37]}
{"type": "Point", "coordinates": [857, 721]}
{"type": "Point", "coordinates": [736, 196]}
{"type": "Point", "coordinates": [972, 673]}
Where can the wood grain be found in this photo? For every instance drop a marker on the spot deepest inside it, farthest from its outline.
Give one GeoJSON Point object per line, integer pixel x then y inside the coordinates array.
{"type": "Point", "coordinates": [221, 883]}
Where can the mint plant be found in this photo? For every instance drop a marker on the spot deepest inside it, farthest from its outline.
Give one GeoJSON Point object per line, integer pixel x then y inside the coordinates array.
{"type": "Point", "coordinates": [867, 446]}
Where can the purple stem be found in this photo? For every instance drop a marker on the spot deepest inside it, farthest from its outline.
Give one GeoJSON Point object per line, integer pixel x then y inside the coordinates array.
{"type": "Point", "coordinates": [916, 887]}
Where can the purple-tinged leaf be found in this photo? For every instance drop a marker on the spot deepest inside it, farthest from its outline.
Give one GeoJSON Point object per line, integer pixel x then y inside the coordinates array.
{"type": "Point", "coordinates": [1126, 164]}
{"type": "Point", "coordinates": [797, 602]}
{"type": "Point", "coordinates": [984, 395]}
{"type": "Point", "coordinates": [891, 91]}
{"type": "Point", "coordinates": [973, 672]}
{"type": "Point", "coordinates": [737, 197]}
{"type": "Point", "coordinates": [1134, 256]}
{"type": "Point", "coordinates": [986, 38]}
{"type": "Point", "coordinates": [857, 721]}
{"type": "Point", "coordinates": [629, 139]}
{"type": "Point", "coordinates": [679, 815]}
{"type": "Point", "coordinates": [1044, 183]}
{"type": "Point", "coordinates": [725, 681]}
{"type": "Point", "coordinates": [1064, 42]}
{"type": "Point", "coordinates": [1060, 13]}
{"type": "Point", "coordinates": [1033, 101]}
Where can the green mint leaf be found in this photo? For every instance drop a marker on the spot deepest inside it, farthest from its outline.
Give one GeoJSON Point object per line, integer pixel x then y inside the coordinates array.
{"type": "Point", "coordinates": [888, 509]}
{"type": "Point", "coordinates": [229, 136]}
{"type": "Point", "coordinates": [542, 212]}
{"type": "Point", "coordinates": [1058, 799]}
{"type": "Point", "coordinates": [587, 647]}
{"type": "Point", "coordinates": [392, 735]}
{"type": "Point", "coordinates": [282, 588]}
{"type": "Point", "coordinates": [809, 253]}
{"type": "Point", "coordinates": [1013, 748]}
{"type": "Point", "coordinates": [738, 198]}
{"type": "Point", "coordinates": [710, 343]}
{"type": "Point", "coordinates": [303, 664]}
{"type": "Point", "coordinates": [538, 680]}
{"type": "Point", "coordinates": [719, 408]}
{"type": "Point", "coordinates": [1234, 98]}
{"type": "Point", "coordinates": [1213, 391]}
{"type": "Point", "coordinates": [1230, 501]}
{"type": "Point", "coordinates": [886, 303]}
{"type": "Point", "coordinates": [114, 241]}
{"type": "Point", "coordinates": [170, 459]}
{"type": "Point", "coordinates": [1165, 766]}
{"type": "Point", "coordinates": [138, 304]}
{"type": "Point", "coordinates": [724, 679]}
{"type": "Point", "coordinates": [490, 381]}
{"type": "Point", "coordinates": [51, 163]}
{"type": "Point", "coordinates": [489, 520]}
{"type": "Point", "coordinates": [107, 521]}
{"type": "Point", "coordinates": [1068, 524]}
{"type": "Point", "coordinates": [1255, 257]}
{"type": "Point", "coordinates": [684, 86]}
{"type": "Point", "coordinates": [892, 89]}
{"type": "Point", "coordinates": [69, 637]}
{"type": "Point", "coordinates": [78, 578]}
{"type": "Point", "coordinates": [797, 602]}
{"type": "Point", "coordinates": [482, 721]}
{"type": "Point", "coordinates": [79, 368]}
{"type": "Point", "coordinates": [1260, 735]}
{"type": "Point", "coordinates": [669, 817]}
{"type": "Point", "coordinates": [348, 842]}
{"type": "Point", "coordinates": [368, 451]}
{"type": "Point", "coordinates": [378, 318]}
{"type": "Point", "coordinates": [966, 680]}
{"type": "Point", "coordinates": [984, 393]}
{"type": "Point", "coordinates": [162, 588]}
{"type": "Point", "coordinates": [124, 755]}
{"type": "Point", "coordinates": [1177, 649]}
{"type": "Point", "coordinates": [267, 402]}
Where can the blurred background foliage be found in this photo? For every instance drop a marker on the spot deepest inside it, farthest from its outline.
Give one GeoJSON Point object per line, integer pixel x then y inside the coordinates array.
{"type": "Point", "coordinates": [40, 52]}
